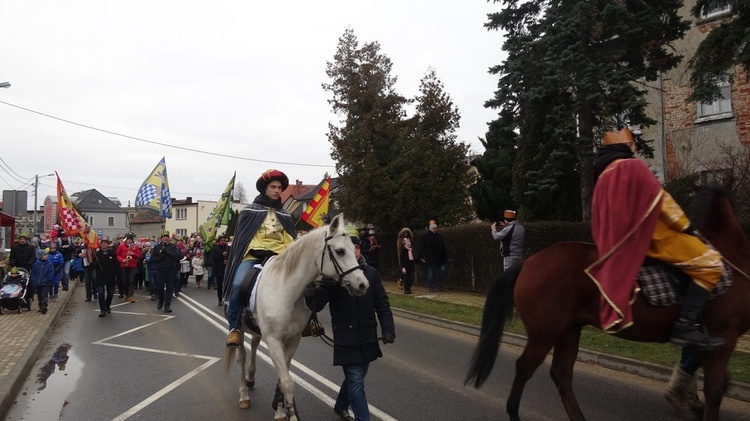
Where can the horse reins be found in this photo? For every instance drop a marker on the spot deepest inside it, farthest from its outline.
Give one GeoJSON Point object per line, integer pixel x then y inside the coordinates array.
{"type": "Point", "coordinates": [339, 270]}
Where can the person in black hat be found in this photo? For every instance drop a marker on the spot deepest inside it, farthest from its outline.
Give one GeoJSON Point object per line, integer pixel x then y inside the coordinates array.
{"type": "Point", "coordinates": [165, 257]}
{"type": "Point", "coordinates": [263, 229]}
{"type": "Point", "coordinates": [66, 248]}
{"type": "Point", "coordinates": [23, 254]}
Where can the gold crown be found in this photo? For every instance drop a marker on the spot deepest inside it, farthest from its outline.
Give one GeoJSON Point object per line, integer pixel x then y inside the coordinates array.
{"type": "Point", "coordinates": [623, 136]}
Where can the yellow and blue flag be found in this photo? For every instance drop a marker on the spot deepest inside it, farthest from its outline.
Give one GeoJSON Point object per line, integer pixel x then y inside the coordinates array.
{"type": "Point", "coordinates": [154, 192]}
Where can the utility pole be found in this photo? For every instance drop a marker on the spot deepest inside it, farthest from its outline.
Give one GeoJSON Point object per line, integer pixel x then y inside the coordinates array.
{"type": "Point", "coordinates": [36, 191]}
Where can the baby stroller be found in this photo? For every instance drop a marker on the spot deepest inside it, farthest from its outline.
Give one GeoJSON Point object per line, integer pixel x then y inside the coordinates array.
{"type": "Point", "coordinates": [15, 290]}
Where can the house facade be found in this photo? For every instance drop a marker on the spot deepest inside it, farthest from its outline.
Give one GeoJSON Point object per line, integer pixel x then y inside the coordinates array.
{"type": "Point", "coordinates": [698, 137]}
{"type": "Point", "coordinates": [189, 215]}
{"type": "Point", "coordinates": [104, 216]}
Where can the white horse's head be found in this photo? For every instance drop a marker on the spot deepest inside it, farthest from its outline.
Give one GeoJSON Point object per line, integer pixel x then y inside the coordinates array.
{"type": "Point", "coordinates": [340, 261]}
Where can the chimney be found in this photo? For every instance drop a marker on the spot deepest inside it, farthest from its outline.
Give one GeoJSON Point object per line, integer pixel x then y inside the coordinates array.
{"type": "Point", "coordinates": [188, 200]}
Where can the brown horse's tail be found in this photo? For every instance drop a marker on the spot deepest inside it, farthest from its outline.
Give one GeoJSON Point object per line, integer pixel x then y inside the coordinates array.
{"type": "Point", "coordinates": [498, 309]}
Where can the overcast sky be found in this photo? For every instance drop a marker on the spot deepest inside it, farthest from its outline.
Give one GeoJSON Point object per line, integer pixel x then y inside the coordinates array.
{"type": "Point", "coordinates": [239, 78]}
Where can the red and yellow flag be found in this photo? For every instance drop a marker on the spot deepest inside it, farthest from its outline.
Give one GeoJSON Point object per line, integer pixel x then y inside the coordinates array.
{"type": "Point", "coordinates": [318, 207]}
{"type": "Point", "coordinates": [71, 221]}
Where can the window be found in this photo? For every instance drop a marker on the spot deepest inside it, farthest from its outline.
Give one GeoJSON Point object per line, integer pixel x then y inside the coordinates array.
{"type": "Point", "coordinates": [716, 8]}
{"type": "Point", "coordinates": [181, 213]}
{"type": "Point", "coordinates": [181, 232]}
{"type": "Point", "coordinates": [110, 221]}
{"type": "Point", "coordinates": [91, 221]}
{"type": "Point", "coordinates": [721, 107]}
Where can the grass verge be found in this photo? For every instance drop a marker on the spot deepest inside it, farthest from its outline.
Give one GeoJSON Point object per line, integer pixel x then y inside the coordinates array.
{"type": "Point", "coordinates": [591, 339]}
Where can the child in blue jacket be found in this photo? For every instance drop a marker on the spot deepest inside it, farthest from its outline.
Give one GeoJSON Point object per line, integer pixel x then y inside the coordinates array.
{"type": "Point", "coordinates": [42, 274]}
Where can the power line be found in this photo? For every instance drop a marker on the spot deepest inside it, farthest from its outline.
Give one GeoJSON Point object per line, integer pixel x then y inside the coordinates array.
{"type": "Point", "coordinates": [165, 144]}
{"type": "Point", "coordinates": [11, 175]}
{"type": "Point", "coordinates": [6, 164]}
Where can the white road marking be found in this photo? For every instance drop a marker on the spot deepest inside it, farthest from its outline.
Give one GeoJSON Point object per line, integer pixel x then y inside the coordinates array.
{"type": "Point", "coordinates": [220, 323]}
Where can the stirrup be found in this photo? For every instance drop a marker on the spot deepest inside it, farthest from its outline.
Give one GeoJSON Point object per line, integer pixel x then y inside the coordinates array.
{"type": "Point", "coordinates": [313, 328]}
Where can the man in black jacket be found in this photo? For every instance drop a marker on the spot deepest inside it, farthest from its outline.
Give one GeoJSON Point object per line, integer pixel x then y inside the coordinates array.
{"type": "Point", "coordinates": [355, 335]}
{"type": "Point", "coordinates": [165, 257]}
{"type": "Point", "coordinates": [434, 254]}
{"type": "Point", "coordinates": [22, 254]}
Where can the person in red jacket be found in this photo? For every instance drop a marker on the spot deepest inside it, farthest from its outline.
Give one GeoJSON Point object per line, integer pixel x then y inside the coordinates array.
{"type": "Point", "coordinates": [128, 254]}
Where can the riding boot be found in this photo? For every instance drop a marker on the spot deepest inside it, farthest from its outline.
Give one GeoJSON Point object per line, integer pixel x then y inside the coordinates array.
{"type": "Point", "coordinates": [683, 394]}
{"type": "Point", "coordinates": [234, 339]}
{"type": "Point", "coordinates": [687, 331]}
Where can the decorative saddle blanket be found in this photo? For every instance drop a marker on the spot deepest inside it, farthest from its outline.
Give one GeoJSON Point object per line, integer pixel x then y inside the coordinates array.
{"type": "Point", "coordinates": [665, 285]}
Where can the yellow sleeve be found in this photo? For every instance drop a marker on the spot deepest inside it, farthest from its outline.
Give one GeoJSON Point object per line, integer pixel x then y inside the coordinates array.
{"type": "Point", "coordinates": [672, 214]}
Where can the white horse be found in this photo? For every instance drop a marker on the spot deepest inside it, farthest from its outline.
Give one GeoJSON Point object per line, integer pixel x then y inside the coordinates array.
{"type": "Point", "coordinates": [280, 309]}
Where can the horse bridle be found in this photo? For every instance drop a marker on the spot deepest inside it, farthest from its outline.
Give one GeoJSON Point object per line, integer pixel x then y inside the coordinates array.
{"type": "Point", "coordinates": [339, 270]}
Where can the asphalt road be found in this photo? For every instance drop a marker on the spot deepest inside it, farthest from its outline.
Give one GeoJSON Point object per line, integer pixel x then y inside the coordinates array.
{"type": "Point", "coordinates": [140, 363]}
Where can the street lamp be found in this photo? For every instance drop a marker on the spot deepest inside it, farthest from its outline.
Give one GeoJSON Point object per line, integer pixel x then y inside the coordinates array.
{"type": "Point", "coordinates": [36, 190]}
{"type": "Point", "coordinates": [4, 84]}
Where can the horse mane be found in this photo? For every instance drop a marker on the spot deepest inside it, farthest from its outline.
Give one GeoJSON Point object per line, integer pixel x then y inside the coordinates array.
{"type": "Point", "coordinates": [292, 256]}
{"type": "Point", "coordinates": [702, 205]}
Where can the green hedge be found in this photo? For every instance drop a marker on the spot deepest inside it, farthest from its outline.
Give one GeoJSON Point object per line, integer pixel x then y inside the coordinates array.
{"type": "Point", "coordinates": [474, 257]}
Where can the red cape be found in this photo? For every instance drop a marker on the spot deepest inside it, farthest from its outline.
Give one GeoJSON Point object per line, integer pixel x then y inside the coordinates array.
{"type": "Point", "coordinates": [624, 212]}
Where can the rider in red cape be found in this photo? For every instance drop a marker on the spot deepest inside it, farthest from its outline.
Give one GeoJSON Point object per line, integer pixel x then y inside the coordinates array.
{"type": "Point", "coordinates": [633, 217]}
{"type": "Point", "coordinates": [264, 228]}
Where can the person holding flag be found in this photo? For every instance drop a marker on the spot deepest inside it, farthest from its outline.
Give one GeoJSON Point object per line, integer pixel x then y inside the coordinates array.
{"type": "Point", "coordinates": [264, 229]}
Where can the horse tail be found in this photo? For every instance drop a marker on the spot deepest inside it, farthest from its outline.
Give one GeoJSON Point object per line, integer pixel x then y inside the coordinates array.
{"type": "Point", "coordinates": [498, 309]}
{"type": "Point", "coordinates": [228, 358]}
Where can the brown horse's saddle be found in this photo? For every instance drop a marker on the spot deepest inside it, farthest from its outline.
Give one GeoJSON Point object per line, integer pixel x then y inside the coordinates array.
{"type": "Point", "coordinates": [665, 285]}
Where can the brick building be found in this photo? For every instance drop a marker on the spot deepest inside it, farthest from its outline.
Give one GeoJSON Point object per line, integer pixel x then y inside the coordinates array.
{"type": "Point", "coordinates": [695, 137]}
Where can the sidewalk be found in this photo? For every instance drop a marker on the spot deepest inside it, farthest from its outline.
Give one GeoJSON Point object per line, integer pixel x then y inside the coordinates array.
{"type": "Point", "coordinates": [22, 339]}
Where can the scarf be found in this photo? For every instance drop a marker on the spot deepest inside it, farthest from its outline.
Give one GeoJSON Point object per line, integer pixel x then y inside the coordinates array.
{"type": "Point", "coordinates": [266, 201]}
{"type": "Point", "coordinates": [608, 153]}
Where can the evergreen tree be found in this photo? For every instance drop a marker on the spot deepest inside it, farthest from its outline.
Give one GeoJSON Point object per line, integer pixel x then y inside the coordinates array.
{"type": "Point", "coordinates": [394, 171]}
{"type": "Point", "coordinates": [572, 73]}
{"type": "Point", "coordinates": [725, 46]}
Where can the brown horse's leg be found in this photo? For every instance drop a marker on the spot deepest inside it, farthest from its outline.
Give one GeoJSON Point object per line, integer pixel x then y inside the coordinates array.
{"type": "Point", "coordinates": [526, 364]}
{"type": "Point", "coordinates": [715, 377]}
{"type": "Point", "coordinates": [564, 357]}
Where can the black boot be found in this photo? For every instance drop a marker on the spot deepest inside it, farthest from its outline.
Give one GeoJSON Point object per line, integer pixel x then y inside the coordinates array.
{"type": "Point", "coordinates": [687, 330]}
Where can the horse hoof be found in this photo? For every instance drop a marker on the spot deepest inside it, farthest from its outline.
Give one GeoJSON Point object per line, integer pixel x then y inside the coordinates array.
{"type": "Point", "coordinates": [250, 384]}
{"type": "Point", "coordinates": [245, 404]}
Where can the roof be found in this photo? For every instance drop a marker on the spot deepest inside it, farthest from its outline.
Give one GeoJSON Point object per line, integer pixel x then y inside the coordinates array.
{"type": "Point", "coordinates": [295, 191]}
{"type": "Point", "coordinates": [93, 201]}
{"type": "Point", "coordinates": [308, 195]}
{"type": "Point", "coordinates": [146, 216]}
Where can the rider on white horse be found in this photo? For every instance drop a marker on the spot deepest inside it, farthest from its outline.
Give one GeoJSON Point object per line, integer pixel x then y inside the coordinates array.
{"type": "Point", "coordinates": [263, 229]}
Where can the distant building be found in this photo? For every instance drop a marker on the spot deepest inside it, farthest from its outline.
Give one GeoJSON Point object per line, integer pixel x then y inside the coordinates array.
{"type": "Point", "coordinates": [105, 217]}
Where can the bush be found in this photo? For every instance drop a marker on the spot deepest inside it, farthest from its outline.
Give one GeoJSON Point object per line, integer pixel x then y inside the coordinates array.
{"type": "Point", "coordinates": [474, 258]}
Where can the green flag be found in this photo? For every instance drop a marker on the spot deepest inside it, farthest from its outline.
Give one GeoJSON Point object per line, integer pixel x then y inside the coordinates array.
{"type": "Point", "coordinates": [219, 216]}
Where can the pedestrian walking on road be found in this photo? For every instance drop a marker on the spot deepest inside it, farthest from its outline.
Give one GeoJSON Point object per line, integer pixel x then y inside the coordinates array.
{"type": "Point", "coordinates": [165, 256]}
{"type": "Point", "coordinates": [42, 274]}
{"type": "Point", "coordinates": [58, 263]}
{"type": "Point", "coordinates": [105, 280]}
{"type": "Point", "coordinates": [355, 344]}
{"type": "Point", "coordinates": [128, 254]}
{"type": "Point", "coordinates": [197, 264]}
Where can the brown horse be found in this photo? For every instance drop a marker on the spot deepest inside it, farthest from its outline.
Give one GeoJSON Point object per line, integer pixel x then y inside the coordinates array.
{"type": "Point", "coordinates": [555, 299]}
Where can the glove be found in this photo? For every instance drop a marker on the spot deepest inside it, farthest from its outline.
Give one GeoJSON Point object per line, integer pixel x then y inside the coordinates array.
{"type": "Point", "coordinates": [388, 338]}
{"type": "Point", "coordinates": [311, 290]}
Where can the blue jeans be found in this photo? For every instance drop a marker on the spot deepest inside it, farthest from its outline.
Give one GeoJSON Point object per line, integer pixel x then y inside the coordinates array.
{"type": "Point", "coordinates": [352, 392]}
{"type": "Point", "coordinates": [235, 306]}
{"type": "Point", "coordinates": [65, 275]}
{"type": "Point", "coordinates": [435, 276]}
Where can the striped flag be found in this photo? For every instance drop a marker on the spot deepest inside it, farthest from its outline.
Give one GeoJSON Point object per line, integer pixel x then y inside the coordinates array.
{"type": "Point", "coordinates": [219, 216]}
{"type": "Point", "coordinates": [154, 192]}
{"type": "Point", "coordinates": [318, 207]}
{"type": "Point", "coordinates": [71, 221]}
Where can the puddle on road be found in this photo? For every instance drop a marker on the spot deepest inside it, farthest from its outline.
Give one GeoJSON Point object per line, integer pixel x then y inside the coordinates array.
{"type": "Point", "coordinates": [47, 396]}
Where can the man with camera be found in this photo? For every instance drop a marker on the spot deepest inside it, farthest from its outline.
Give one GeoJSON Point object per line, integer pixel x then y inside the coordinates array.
{"type": "Point", "coordinates": [511, 234]}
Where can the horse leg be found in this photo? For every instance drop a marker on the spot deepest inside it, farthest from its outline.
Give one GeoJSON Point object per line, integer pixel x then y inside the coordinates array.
{"type": "Point", "coordinates": [244, 395]}
{"type": "Point", "coordinates": [281, 356]}
{"type": "Point", "coordinates": [250, 378]}
{"type": "Point", "coordinates": [561, 371]}
{"type": "Point", "coordinates": [533, 355]}
{"type": "Point", "coordinates": [715, 377]}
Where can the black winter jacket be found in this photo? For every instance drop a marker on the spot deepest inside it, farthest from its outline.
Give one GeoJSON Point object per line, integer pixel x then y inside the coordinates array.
{"type": "Point", "coordinates": [22, 256]}
{"type": "Point", "coordinates": [355, 329]}
{"type": "Point", "coordinates": [165, 258]}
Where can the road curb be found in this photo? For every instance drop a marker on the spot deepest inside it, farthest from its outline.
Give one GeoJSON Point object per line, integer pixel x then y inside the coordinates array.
{"type": "Point", "coordinates": [9, 389]}
{"type": "Point", "coordinates": [736, 390]}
